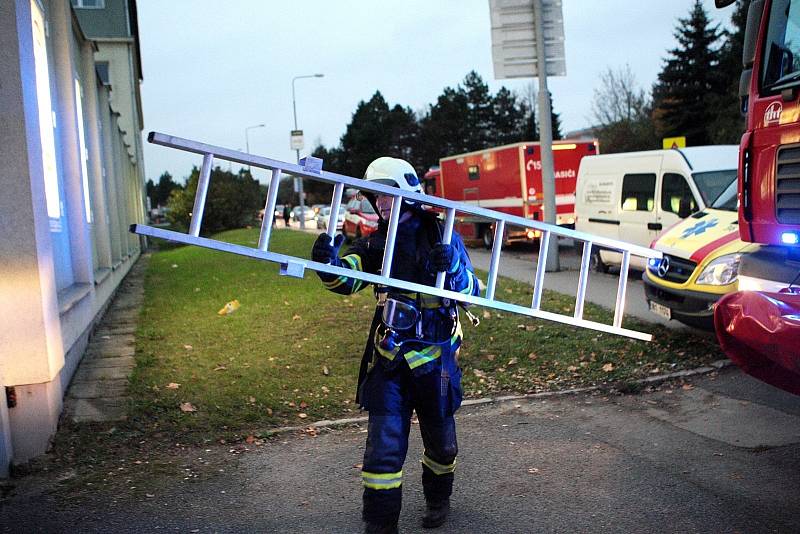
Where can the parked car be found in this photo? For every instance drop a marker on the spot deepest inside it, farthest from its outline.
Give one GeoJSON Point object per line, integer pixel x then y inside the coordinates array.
{"type": "Point", "coordinates": [360, 219]}
{"type": "Point", "coordinates": [325, 213]}
{"type": "Point", "coordinates": [307, 212]}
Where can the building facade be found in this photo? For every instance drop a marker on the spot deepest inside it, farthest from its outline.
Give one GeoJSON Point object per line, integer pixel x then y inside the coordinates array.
{"type": "Point", "coordinates": [72, 182]}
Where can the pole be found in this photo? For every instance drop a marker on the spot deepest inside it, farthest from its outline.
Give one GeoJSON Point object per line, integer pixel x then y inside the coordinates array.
{"type": "Point", "coordinates": [297, 152]}
{"type": "Point", "coordinates": [247, 137]}
{"type": "Point", "coordinates": [545, 138]}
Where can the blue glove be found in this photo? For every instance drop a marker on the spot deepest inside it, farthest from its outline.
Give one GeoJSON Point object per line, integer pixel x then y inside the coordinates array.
{"type": "Point", "coordinates": [443, 258]}
{"type": "Point", "coordinates": [326, 252]}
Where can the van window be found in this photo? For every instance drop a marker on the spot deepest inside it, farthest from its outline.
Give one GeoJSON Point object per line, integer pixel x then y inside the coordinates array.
{"type": "Point", "coordinates": [473, 172]}
{"type": "Point", "coordinates": [711, 184]}
{"type": "Point", "coordinates": [674, 189]}
{"type": "Point", "coordinates": [638, 192]}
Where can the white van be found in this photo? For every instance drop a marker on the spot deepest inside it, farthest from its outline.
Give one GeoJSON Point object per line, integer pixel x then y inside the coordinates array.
{"type": "Point", "coordinates": [634, 196]}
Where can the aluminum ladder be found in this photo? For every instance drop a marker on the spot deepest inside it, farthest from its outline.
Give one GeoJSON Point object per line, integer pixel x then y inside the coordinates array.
{"type": "Point", "coordinates": [311, 168]}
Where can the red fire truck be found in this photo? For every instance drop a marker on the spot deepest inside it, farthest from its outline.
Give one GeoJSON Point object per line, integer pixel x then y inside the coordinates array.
{"type": "Point", "coordinates": [509, 179]}
{"type": "Point", "coordinates": [759, 326]}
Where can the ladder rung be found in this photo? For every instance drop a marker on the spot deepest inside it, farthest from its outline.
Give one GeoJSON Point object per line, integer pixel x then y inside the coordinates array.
{"type": "Point", "coordinates": [336, 203]}
{"type": "Point", "coordinates": [446, 238]}
{"type": "Point", "coordinates": [497, 244]}
{"type": "Point", "coordinates": [269, 210]}
{"type": "Point", "coordinates": [583, 279]}
{"type": "Point", "coordinates": [391, 236]}
{"type": "Point", "coordinates": [619, 308]}
{"type": "Point", "coordinates": [538, 284]}
{"type": "Point", "coordinates": [200, 195]}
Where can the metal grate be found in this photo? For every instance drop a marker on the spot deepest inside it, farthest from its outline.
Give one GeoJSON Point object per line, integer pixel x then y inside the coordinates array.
{"type": "Point", "coordinates": [678, 270]}
{"type": "Point", "coordinates": [311, 168]}
{"type": "Point", "coordinates": [787, 185]}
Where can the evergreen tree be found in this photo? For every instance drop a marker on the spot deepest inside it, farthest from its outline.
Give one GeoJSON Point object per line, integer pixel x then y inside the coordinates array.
{"type": "Point", "coordinates": [728, 124]}
{"type": "Point", "coordinates": [689, 80]}
{"type": "Point", "coordinates": [508, 118]}
{"type": "Point", "coordinates": [367, 136]}
{"type": "Point", "coordinates": [444, 129]}
{"type": "Point", "coordinates": [479, 112]}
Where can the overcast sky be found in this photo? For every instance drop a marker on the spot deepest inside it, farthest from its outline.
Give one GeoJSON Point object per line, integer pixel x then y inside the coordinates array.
{"type": "Point", "coordinates": [213, 68]}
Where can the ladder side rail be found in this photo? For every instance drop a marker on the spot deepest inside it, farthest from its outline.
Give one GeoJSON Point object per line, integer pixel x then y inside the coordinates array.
{"type": "Point", "coordinates": [269, 210]}
{"type": "Point", "coordinates": [336, 203]}
{"type": "Point", "coordinates": [538, 284]}
{"type": "Point", "coordinates": [284, 259]}
{"type": "Point", "coordinates": [619, 307]}
{"type": "Point", "coordinates": [391, 236]}
{"type": "Point", "coordinates": [200, 195]}
{"type": "Point", "coordinates": [358, 183]}
{"type": "Point", "coordinates": [583, 279]}
{"type": "Point", "coordinates": [447, 237]}
{"type": "Point", "coordinates": [497, 245]}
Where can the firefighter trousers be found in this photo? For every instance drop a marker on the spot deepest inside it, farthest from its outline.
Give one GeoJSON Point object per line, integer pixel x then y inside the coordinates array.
{"type": "Point", "coordinates": [390, 393]}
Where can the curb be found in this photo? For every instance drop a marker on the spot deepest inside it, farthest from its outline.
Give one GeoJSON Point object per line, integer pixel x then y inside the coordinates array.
{"type": "Point", "coordinates": [649, 381]}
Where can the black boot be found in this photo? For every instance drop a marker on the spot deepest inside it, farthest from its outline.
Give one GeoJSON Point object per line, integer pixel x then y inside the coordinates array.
{"type": "Point", "coordinates": [380, 528]}
{"type": "Point", "coordinates": [436, 513]}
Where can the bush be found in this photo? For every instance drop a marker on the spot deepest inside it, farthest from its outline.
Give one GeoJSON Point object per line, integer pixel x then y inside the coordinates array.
{"type": "Point", "coordinates": [231, 202]}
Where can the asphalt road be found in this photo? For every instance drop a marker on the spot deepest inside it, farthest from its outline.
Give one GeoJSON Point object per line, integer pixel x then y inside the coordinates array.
{"type": "Point", "coordinates": [720, 454]}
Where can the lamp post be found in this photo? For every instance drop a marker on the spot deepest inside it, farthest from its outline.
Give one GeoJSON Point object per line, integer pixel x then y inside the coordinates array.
{"type": "Point", "coordinates": [247, 137]}
{"type": "Point", "coordinates": [297, 151]}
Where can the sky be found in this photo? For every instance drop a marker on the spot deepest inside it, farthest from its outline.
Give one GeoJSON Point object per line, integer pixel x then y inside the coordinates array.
{"type": "Point", "coordinates": [212, 69]}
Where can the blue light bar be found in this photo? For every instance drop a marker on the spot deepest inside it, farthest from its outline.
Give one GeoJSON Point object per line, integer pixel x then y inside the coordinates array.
{"type": "Point", "coordinates": [790, 238]}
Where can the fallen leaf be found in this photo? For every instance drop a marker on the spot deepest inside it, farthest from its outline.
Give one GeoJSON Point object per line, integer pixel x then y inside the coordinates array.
{"type": "Point", "coordinates": [325, 389]}
{"type": "Point", "coordinates": [251, 400]}
{"type": "Point", "coordinates": [479, 373]}
{"type": "Point", "coordinates": [250, 439]}
{"type": "Point", "coordinates": [269, 411]}
{"type": "Point", "coordinates": [512, 361]}
{"type": "Point", "coordinates": [608, 367]}
{"type": "Point", "coordinates": [325, 370]}
{"type": "Point", "coordinates": [521, 326]}
{"type": "Point", "coordinates": [687, 387]}
{"type": "Point", "coordinates": [572, 368]}
{"type": "Point", "coordinates": [174, 265]}
{"type": "Point", "coordinates": [173, 385]}
{"type": "Point", "coordinates": [532, 356]}
{"type": "Point", "coordinates": [220, 368]}
{"type": "Point", "coordinates": [188, 407]}
{"type": "Point", "coordinates": [295, 317]}
{"type": "Point", "coordinates": [533, 470]}
{"type": "Point", "coordinates": [302, 415]}
{"type": "Point", "coordinates": [286, 302]}
{"type": "Point", "coordinates": [303, 405]}
{"type": "Point", "coordinates": [530, 327]}
{"type": "Point", "coordinates": [490, 357]}
{"type": "Point", "coordinates": [509, 290]}
{"type": "Point", "coordinates": [188, 347]}
{"type": "Point", "coordinates": [486, 314]}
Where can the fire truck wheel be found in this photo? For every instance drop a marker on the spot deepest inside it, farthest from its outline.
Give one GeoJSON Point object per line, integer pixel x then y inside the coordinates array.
{"type": "Point", "coordinates": [488, 237]}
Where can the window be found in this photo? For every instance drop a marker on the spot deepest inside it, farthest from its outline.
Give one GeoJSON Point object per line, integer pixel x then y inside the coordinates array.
{"type": "Point", "coordinates": [89, 4]}
{"type": "Point", "coordinates": [711, 184]}
{"type": "Point", "coordinates": [675, 190]}
{"type": "Point", "coordinates": [473, 172]}
{"type": "Point", "coordinates": [638, 192]}
{"type": "Point", "coordinates": [781, 64]}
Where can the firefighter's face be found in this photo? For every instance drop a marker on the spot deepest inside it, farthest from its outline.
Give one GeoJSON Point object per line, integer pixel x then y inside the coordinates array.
{"type": "Point", "coordinates": [384, 203]}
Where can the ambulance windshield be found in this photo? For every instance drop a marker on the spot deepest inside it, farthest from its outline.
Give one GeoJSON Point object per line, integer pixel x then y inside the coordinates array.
{"type": "Point", "coordinates": [727, 200]}
{"type": "Point", "coordinates": [713, 183]}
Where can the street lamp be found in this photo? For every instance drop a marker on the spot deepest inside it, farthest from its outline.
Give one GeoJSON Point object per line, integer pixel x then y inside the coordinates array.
{"type": "Point", "coordinates": [297, 151]}
{"type": "Point", "coordinates": [247, 138]}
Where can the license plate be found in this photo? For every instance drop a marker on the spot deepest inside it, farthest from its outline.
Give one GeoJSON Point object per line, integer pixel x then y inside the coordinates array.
{"type": "Point", "coordinates": [661, 310]}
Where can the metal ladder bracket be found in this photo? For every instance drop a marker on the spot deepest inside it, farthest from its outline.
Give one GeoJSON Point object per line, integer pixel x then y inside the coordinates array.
{"type": "Point", "coordinates": [294, 269]}
{"type": "Point", "coordinates": [311, 164]}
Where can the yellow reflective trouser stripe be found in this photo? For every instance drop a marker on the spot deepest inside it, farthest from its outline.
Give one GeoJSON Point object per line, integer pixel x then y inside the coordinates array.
{"type": "Point", "coordinates": [382, 481]}
{"type": "Point", "coordinates": [437, 468]}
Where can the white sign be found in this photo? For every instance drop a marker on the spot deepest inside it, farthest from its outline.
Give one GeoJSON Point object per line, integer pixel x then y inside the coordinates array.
{"type": "Point", "coordinates": [514, 53]}
{"type": "Point", "coordinates": [296, 140]}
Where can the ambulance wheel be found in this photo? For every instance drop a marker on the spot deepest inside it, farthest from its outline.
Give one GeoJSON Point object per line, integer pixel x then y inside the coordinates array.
{"type": "Point", "coordinates": [488, 237]}
{"type": "Point", "coordinates": [596, 263]}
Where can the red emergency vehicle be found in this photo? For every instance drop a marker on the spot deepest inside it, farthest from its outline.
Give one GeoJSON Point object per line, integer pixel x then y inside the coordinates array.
{"type": "Point", "coordinates": [759, 326]}
{"type": "Point", "coordinates": [509, 179]}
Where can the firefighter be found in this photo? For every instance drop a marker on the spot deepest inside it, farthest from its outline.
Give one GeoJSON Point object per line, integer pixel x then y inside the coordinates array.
{"type": "Point", "coordinates": [410, 361]}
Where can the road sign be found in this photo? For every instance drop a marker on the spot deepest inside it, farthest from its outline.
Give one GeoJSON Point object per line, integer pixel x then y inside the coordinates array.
{"type": "Point", "coordinates": [296, 140]}
{"type": "Point", "coordinates": [514, 52]}
{"type": "Point", "coordinates": [673, 142]}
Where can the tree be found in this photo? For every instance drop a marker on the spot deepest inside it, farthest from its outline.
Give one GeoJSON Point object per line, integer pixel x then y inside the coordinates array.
{"type": "Point", "coordinates": [689, 81]}
{"type": "Point", "coordinates": [621, 112]}
{"type": "Point", "coordinates": [728, 124]}
{"type": "Point", "coordinates": [480, 115]}
{"type": "Point", "coordinates": [509, 118]}
{"type": "Point", "coordinates": [163, 190]}
{"type": "Point", "coordinates": [232, 201]}
{"type": "Point", "coordinates": [444, 128]}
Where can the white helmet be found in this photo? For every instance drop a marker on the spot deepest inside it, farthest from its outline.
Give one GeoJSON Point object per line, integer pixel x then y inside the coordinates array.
{"type": "Point", "coordinates": [395, 172]}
